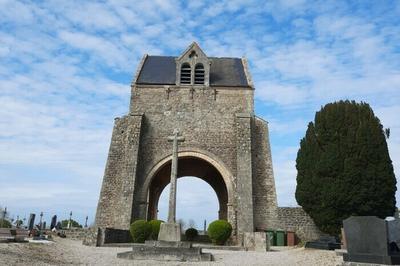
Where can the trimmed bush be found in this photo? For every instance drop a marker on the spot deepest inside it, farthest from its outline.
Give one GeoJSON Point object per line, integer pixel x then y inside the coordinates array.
{"type": "Point", "coordinates": [155, 228]}
{"type": "Point", "coordinates": [140, 231]}
{"type": "Point", "coordinates": [219, 231]}
{"type": "Point", "coordinates": [191, 234]}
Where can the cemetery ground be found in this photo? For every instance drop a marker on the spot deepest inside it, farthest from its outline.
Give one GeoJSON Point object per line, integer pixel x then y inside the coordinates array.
{"type": "Point", "coordinates": [64, 251]}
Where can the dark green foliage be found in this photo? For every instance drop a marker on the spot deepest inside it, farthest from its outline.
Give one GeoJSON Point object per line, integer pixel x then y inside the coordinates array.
{"type": "Point", "coordinates": [64, 224]}
{"type": "Point", "coordinates": [155, 228]}
{"type": "Point", "coordinates": [191, 234]}
{"type": "Point", "coordinates": [5, 223]}
{"type": "Point", "coordinates": [140, 231]}
{"type": "Point", "coordinates": [343, 166]}
{"type": "Point", "coordinates": [219, 231]}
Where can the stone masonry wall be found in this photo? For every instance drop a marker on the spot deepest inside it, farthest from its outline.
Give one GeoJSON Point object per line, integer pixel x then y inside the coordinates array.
{"type": "Point", "coordinates": [207, 117]}
{"type": "Point", "coordinates": [244, 187]}
{"type": "Point", "coordinates": [116, 196]}
{"type": "Point", "coordinates": [204, 115]}
{"type": "Point", "coordinates": [297, 220]}
{"type": "Point", "coordinates": [264, 194]}
{"type": "Point", "coordinates": [76, 233]}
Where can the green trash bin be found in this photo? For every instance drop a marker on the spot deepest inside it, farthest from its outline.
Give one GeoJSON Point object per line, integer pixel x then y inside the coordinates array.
{"type": "Point", "coordinates": [280, 238]}
{"type": "Point", "coordinates": [271, 237]}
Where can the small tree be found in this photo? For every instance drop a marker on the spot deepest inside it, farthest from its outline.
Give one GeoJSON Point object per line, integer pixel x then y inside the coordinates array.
{"type": "Point", "coordinates": [5, 223]}
{"type": "Point", "coordinates": [64, 224]}
{"type": "Point", "coordinates": [343, 166]}
{"type": "Point", "coordinates": [191, 234]}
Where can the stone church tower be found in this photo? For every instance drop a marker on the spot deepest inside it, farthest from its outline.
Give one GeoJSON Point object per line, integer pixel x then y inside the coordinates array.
{"type": "Point", "coordinates": [211, 101]}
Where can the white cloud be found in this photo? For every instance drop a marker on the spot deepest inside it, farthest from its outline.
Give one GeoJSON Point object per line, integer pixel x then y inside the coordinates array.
{"type": "Point", "coordinates": [66, 66]}
{"type": "Point", "coordinates": [102, 48]}
{"type": "Point", "coordinates": [278, 127]}
{"type": "Point", "coordinates": [280, 93]}
{"type": "Point", "coordinates": [93, 16]}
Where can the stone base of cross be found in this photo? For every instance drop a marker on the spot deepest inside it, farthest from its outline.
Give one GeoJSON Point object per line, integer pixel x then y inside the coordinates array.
{"type": "Point", "coordinates": [170, 232]}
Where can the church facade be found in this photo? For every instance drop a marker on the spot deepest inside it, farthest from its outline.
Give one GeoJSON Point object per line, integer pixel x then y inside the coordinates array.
{"type": "Point", "coordinates": [211, 101]}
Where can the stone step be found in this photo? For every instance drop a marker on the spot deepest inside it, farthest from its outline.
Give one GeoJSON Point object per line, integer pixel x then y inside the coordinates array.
{"type": "Point", "coordinates": [145, 252]}
{"type": "Point", "coordinates": [162, 243]}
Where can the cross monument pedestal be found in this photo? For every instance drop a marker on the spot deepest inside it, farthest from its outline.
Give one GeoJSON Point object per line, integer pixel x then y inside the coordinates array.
{"type": "Point", "coordinates": [169, 246]}
{"type": "Point", "coordinates": [171, 231]}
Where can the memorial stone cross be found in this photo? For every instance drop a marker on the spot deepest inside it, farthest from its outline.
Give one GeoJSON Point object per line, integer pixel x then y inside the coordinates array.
{"type": "Point", "coordinates": [175, 139]}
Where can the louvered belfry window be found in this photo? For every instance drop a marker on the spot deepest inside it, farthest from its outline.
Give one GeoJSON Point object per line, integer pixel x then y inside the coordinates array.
{"type": "Point", "coordinates": [199, 74]}
{"type": "Point", "coordinates": [185, 74]}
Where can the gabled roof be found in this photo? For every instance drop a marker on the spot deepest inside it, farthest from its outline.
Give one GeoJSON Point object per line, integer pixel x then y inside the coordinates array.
{"type": "Point", "coordinates": [193, 46]}
{"type": "Point", "coordinates": [161, 70]}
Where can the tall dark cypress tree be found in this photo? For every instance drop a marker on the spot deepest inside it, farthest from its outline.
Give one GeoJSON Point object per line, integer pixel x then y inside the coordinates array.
{"type": "Point", "coordinates": [343, 166]}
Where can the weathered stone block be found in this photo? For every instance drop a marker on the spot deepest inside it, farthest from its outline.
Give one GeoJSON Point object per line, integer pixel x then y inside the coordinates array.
{"type": "Point", "coordinates": [256, 241]}
{"type": "Point", "coordinates": [170, 232]}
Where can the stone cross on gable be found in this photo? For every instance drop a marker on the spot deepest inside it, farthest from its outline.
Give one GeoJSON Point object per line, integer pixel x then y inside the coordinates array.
{"type": "Point", "coordinates": [175, 139]}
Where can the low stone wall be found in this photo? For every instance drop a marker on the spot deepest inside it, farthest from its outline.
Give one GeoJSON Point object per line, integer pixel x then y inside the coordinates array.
{"type": "Point", "coordinates": [91, 238]}
{"type": "Point", "coordinates": [100, 236]}
{"type": "Point", "coordinates": [297, 220]}
{"type": "Point", "coordinates": [76, 233]}
{"type": "Point", "coordinates": [112, 235]}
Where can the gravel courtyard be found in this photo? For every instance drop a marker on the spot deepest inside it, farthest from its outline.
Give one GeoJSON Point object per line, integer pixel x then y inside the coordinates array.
{"type": "Point", "coordinates": [72, 252]}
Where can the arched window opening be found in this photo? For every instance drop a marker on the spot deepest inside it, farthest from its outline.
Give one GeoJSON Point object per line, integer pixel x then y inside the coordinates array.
{"type": "Point", "coordinates": [185, 73]}
{"type": "Point", "coordinates": [199, 74]}
{"type": "Point", "coordinates": [196, 202]}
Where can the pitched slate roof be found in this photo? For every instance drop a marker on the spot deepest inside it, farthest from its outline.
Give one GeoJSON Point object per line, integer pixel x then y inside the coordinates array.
{"type": "Point", "coordinates": [161, 70]}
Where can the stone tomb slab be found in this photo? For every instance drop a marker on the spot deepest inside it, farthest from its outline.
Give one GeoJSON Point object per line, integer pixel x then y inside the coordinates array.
{"type": "Point", "coordinates": [166, 251]}
{"type": "Point", "coordinates": [324, 243]}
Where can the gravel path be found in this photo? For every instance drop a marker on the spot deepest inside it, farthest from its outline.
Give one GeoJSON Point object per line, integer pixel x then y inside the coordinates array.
{"type": "Point", "coordinates": [72, 252]}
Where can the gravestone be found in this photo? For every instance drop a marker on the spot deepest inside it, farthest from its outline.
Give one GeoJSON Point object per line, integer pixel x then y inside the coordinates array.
{"type": "Point", "coordinates": [393, 226]}
{"type": "Point", "coordinates": [368, 242]}
{"type": "Point", "coordinates": [31, 221]}
{"type": "Point", "coordinates": [58, 226]}
{"type": "Point", "coordinates": [53, 222]}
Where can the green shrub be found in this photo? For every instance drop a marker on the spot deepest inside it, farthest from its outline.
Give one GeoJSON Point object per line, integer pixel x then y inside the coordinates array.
{"type": "Point", "coordinates": [191, 234]}
{"type": "Point", "coordinates": [155, 228]}
{"type": "Point", "coordinates": [140, 231]}
{"type": "Point", "coordinates": [219, 231]}
{"type": "Point", "coordinates": [5, 223]}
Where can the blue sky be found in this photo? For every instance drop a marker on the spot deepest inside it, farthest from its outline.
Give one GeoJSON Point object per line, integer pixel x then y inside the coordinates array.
{"type": "Point", "coordinates": [66, 66]}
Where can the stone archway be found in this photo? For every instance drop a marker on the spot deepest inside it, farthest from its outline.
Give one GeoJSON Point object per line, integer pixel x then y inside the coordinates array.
{"type": "Point", "coordinates": [220, 128]}
{"type": "Point", "coordinates": [190, 163]}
